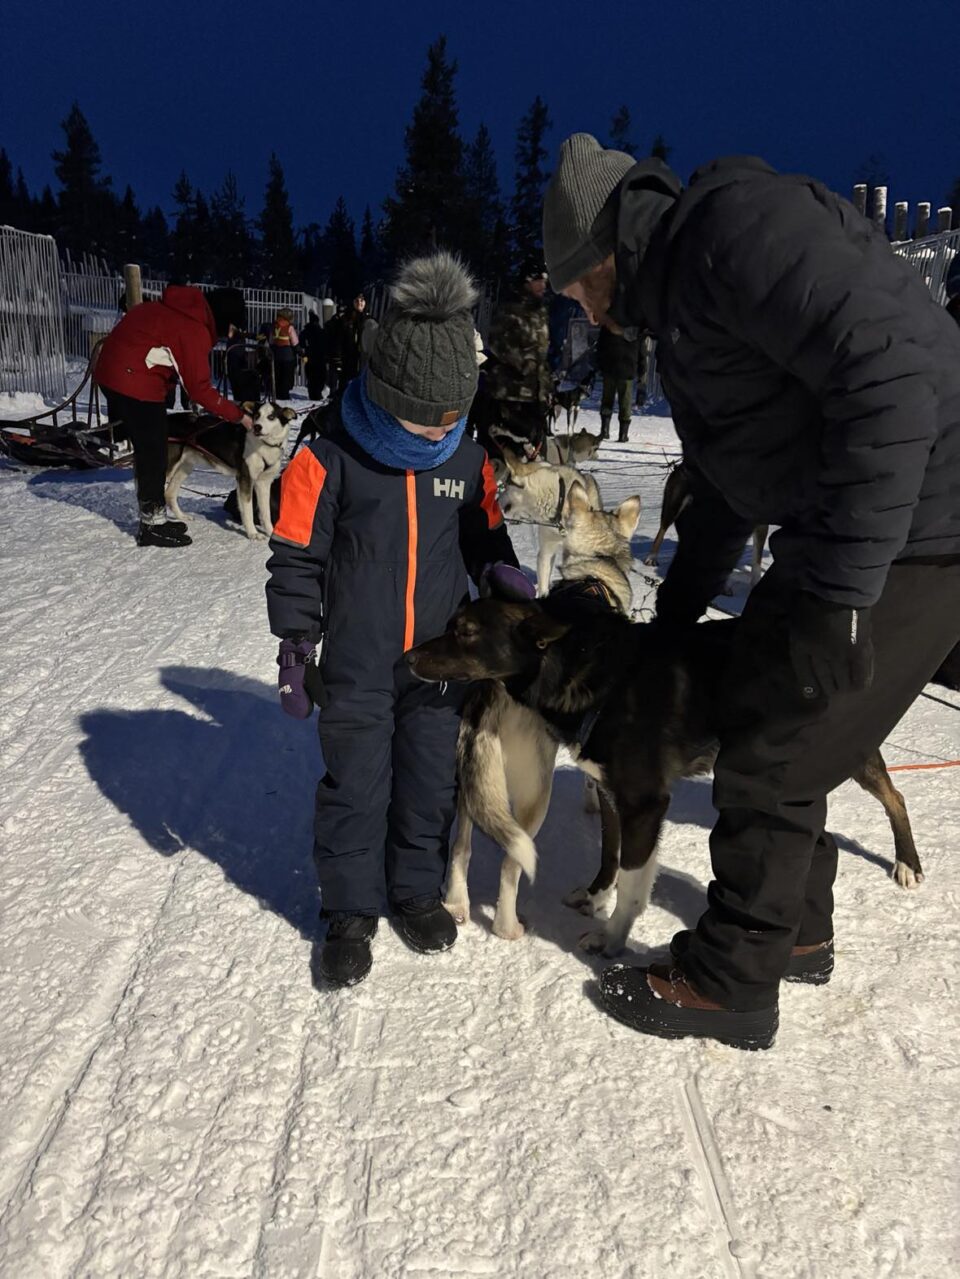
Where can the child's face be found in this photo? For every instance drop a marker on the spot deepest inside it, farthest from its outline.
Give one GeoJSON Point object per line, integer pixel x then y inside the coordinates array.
{"type": "Point", "coordinates": [428, 432]}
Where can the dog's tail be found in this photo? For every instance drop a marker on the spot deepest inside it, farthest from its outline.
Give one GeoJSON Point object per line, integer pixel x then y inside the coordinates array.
{"type": "Point", "coordinates": [483, 783]}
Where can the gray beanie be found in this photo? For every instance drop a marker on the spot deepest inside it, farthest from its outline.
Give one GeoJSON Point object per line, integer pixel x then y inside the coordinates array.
{"type": "Point", "coordinates": [579, 213]}
{"type": "Point", "coordinates": [423, 366]}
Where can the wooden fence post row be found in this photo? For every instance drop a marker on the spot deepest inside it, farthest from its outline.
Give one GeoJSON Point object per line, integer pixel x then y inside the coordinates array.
{"type": "Point", "coordinates": [901, 214]}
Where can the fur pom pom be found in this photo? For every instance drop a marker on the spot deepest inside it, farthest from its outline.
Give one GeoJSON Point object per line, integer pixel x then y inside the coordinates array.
{"type": "Point", "coordinates": [437, 287]}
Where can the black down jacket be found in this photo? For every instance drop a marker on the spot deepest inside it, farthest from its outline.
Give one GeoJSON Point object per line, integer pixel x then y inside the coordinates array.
{"type": "Point", "coordinates": [617, 356]}
{"type": "Point", "coordinates": [814, 381]}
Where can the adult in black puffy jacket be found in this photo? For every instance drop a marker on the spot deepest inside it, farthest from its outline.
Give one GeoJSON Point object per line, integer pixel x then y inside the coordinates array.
{"type": "Point", "coordinates": [815, 385]}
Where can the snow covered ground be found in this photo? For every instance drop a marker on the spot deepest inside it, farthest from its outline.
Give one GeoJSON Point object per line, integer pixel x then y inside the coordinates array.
{"type": "Point", "coordinates": [177, 1100]}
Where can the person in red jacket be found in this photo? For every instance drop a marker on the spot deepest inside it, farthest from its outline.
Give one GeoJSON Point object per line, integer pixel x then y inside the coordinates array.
{"type": "Point", "coordinates": [154, 345]}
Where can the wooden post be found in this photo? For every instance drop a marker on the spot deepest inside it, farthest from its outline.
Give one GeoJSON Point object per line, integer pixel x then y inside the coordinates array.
{"type": "Point", "coordinates": [860, 198]}
{"type": "Point", "coordinates": [900, 211]}
{"type": "Point", "coordinates": [880, 208]}
{"type": "Point", "coordinates": [944, 218]}
{"type": "Point", "coordinates": [132, 284]}
{"type": "Point", "coordinates": [923, 220]}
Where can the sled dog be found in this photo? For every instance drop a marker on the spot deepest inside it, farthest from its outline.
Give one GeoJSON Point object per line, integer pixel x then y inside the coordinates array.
{"type": "Point", "coordinates": [636, 708]}
{"type": "Point", "coordinates": [252, 457]}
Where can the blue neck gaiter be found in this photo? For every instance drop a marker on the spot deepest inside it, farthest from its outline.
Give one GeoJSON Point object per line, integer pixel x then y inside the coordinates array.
{"type": "Point", "coordinates": [381, 435]}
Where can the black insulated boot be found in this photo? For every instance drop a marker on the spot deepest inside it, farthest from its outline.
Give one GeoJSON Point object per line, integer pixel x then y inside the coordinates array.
{"type": "Point", "coordinates": [344, 958]}
{"type": "Point", "coordinates": [624, 432]}
{"type": "Point", "coordinates": [605, 427]}
{"type": "Point", "coordinates": [169, 533]}
{"type": "Point", "coordinates": [426, 926]}
{"type": "Point", "coordinates": [811, 965]}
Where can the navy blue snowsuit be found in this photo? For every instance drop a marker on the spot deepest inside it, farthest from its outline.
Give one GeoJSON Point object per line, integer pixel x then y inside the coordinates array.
{"type": "Point", "coordinates": [375, 560]}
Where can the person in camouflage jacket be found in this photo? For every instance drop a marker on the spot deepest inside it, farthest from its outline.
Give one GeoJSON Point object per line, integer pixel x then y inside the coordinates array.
{"type": "Point", "coordinates": [518, 342]}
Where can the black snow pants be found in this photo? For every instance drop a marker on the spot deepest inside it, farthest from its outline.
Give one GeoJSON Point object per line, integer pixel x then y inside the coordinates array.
{"type": "Point", "coordinates": [773, 863]}
{"type": "Point", "coordinates": [145, 423]}
{"type": "Point", "coordinates": [386, 804]}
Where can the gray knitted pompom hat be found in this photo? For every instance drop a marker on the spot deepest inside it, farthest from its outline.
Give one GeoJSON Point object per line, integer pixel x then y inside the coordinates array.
{"type": "Point", "coordinates": [423, 366]}
{"type": "Point", "coordinates": [579, 211]}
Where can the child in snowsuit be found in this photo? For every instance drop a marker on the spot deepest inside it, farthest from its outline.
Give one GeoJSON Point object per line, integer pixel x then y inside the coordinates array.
{"type": "Point", "coordinates": [380, 523]}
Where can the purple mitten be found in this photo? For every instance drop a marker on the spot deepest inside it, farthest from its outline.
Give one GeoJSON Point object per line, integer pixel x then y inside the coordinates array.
{"type": "Point", "coordinates": [292, 660]}
{"type": "Point", "coordinates": [504, 582]}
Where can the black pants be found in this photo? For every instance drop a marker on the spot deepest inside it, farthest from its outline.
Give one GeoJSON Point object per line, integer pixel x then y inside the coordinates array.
{"type": "Point", "coordinates": [284, 373]}
{"type": "Point", "coordinates": [773, 863]}
{"type": "Point", "coordinates": [385, 807]}
{"type": "Point", "coordinates": [316, 378]}
{"type": "Point", "coordinates": [145, 424]}
{"type": "Point", "coordinates": [620, 390]}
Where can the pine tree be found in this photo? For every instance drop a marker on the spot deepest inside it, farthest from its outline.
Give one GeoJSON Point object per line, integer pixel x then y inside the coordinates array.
{"type": "Point", "coordinates": [128, 246]}
{"type": "Point", "coordinates": [46, 212]}
{"type": "Point", "coordinates": [659, 150]}
{"type": "Point", "coordinates": [426, 208]}
{"type": "Point", "coordinates": [23, 210]}
{"type": "Point", "coordinates": [7, 202]}
{"type": "Point", "coordinates": [526, 208]}
{"type": "Point", "coordinates": [953, 199]}
{"type": "Point", "coordinates": [86, 204]}
{"type": "Point", "coordinates": [156, 241]}
{"type": "Point", "coordinates": [485, 232]}
{"type": "Point", "coordinates": [202, 238]}
{"type": "Point", "coordinates": [340, 254]}
{"type": "Point", "coordinates": [183, 239]}
{"type": "Point", "coordinates": [231, 247]}
{"type": "Point", "coordinates": [620, 132]}
{"type": "Point", "coordinates": [278, 246]}
{"type": "Point", "coordinates": [371, 263]}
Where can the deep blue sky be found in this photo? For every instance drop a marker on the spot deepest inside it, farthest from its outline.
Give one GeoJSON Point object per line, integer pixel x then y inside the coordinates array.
{"type": "Point", "coordinates": [811, 85]}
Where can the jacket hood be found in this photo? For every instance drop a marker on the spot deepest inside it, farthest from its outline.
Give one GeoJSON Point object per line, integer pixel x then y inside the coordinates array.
{"type": "Point", "coordinates": [648, 197]}
{"type": "Point", "coordinates": [190, 302]}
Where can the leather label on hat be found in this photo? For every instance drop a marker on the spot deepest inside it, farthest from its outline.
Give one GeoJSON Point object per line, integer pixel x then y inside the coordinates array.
{"type": "Point", "coordinates": [450, 418]}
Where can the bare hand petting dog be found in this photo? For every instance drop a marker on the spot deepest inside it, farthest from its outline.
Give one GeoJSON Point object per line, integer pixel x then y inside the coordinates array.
{"type": "Point", "coordinates": [247, 422]}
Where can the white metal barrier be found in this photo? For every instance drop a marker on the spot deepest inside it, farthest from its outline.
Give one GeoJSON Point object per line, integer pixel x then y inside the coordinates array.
{"type": "Point", "coordinates": [32, 345]}
{"type": "Point", "coordinates": [932, 257]}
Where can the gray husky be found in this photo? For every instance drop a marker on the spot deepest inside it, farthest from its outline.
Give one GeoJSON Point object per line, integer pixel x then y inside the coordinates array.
{"type": "Point", "coordinates": [537, 492]}
{"type": "Point", "coordinates": [505, 755]}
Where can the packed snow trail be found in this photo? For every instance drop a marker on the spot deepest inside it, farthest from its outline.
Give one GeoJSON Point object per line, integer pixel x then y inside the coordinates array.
{"type": "Point", "coordinates": [177, 1100]}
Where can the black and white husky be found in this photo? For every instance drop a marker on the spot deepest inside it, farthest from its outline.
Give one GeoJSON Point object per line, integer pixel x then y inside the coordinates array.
{"type": "Point", "coordinates": [253, 458]}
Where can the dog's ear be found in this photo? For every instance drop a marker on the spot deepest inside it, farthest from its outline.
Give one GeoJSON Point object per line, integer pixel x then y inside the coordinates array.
{"type": "Point", "coordinates": [627, 514]}
{"type": "Point", "coordinates": [288, 414]}
{"type": "Point", "coordinates": [248, 406]}
{"type": "Point", "coordinates": [543, 629]}
{"type": "Point", "coordinates": [512, 459]}
{"type": "Point", "coordinates": [577, 501]}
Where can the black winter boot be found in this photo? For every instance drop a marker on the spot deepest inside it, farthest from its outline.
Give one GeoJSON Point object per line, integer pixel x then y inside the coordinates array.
{"type": "Point", "coordinates": [624, 432]}
{"type": "Point", "coordinates": [426, 926]}
{"type": "Point", "coordinates": [169, 533]}
{"type": "Point", "coordinates": [811, 965]}
{"type": "Point", "coordinates": [605, 427]}
{"type": "Point", "coordinates": [343, 958]}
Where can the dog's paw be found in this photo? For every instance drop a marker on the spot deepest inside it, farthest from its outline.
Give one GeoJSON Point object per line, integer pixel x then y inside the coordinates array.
{"type": "Point", "coordinates": [905, 876]}
{"type": "Point", "coordinates": [257, 536]}
{"type": "Point", "coordinates": [511, 930]}
{"type": "Point", "coordinates": [601, 942]}
{"type": "Point", "coordinates": [650, 561]}
{"type": "Point", "coordinates": [580, 899]}
{"type": "Point", "coordinates": [460, 910]}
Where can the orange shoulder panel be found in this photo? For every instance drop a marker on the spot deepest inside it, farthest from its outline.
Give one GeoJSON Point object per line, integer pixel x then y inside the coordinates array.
{"type": "Point", "coordinates": [489, 500]}
{"type": "Point", "coordinates": [300, 489]}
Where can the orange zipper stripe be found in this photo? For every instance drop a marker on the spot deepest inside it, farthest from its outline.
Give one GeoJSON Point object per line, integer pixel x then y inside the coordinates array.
{"type": "Point", "coordinates": [410, 619]}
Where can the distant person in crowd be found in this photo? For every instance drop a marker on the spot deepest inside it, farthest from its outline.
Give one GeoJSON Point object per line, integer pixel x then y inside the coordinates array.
{"type": "Point", "coordinates": [333, 325]}
{"type": "Point", "coordinates": [283, 343]}
{"type": "Point", "coordinates": [560, 311]}
{"type": "Point", "coordinates": [617, 358]}
{"type": "Point", "coordinates": [155, 344]}
{"type": "Point", "coordinates": [381, 523]}
{"type": "Point", "coordinates": [518, 343]}
{"type": "Point", "coordinates": [814, 383]}
{"type": "Point", "coordinates": [313, 345]}
{"type": "Point", "coordinates": [244, 380]}
{"type": "Point", "coordinates": [353, 350]}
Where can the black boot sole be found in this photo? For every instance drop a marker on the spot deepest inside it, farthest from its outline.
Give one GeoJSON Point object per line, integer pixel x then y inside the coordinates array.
{"type": "Point", "coordinates": [332, 975]}
{"type": "Point", "coordinates": [814, 969]}
{"type": "Point", "coordinates": [639, 1008]}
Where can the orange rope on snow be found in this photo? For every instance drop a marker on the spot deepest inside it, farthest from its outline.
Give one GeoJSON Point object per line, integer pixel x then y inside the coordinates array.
{"type": "Point", "coordinates": [903, 768]}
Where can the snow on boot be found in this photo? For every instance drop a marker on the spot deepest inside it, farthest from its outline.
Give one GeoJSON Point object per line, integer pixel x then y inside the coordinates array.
{"type": "Point", "coordinates": [426, 926]}
{"type": "Point", "coordinates": [812, 965]}
{"type": "Point", "coordinates": [169, 533]}
{"type": "Point", "coordinates": [344, 958]}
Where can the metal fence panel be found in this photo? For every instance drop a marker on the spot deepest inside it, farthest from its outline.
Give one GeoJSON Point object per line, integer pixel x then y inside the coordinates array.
{"type": "Point", "coordinates": [32, 343]}
{"type": "Point", "coordinates": [932, 257]}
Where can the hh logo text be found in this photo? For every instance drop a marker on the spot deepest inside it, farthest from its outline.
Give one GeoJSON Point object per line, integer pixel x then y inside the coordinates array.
{"type": "Point", "coordinates": [449, 488]}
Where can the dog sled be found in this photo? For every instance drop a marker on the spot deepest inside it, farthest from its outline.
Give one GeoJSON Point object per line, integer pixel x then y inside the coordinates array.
{"type": "Point", "coordinates": [76, 433]}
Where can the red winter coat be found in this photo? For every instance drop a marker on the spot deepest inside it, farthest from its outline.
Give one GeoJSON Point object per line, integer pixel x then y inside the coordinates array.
{"type": "Point", "coordinates": [182, 324]}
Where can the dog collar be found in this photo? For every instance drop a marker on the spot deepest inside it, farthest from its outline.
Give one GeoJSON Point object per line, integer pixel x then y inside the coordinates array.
{"type": "Point", "coordinates": [560, 501]}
